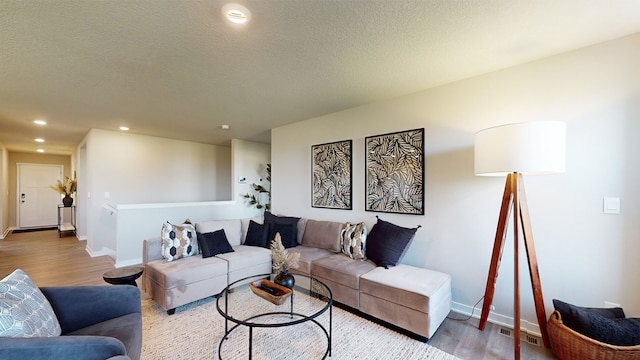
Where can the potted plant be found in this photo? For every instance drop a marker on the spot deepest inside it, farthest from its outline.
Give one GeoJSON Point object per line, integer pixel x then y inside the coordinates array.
{"type": "Point", "coordinates": [66, 188]}
{"type": "Point", "coordinates": [258, 200]}
{"type": "Point", "coordinates": [282, 262]}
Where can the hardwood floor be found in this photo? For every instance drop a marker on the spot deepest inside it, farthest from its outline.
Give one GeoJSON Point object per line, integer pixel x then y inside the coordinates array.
{"type": "Point", "coordinates": [53, 261]}
{"type": "Point", "coordinates": [50, 260]}
{"type": "Point", "coordinates": [464, 340]}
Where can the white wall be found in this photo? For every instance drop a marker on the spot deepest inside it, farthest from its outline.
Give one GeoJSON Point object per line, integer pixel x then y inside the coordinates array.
{"type": "Point", "coordinates": [124, 168]}
{"type": "Point", "coordinates": [250, 161]}
{"type": "Point", "coordinates": [585, 256]}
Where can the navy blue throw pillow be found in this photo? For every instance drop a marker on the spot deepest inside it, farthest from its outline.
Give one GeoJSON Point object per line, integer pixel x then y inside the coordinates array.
{"type": "Point", "coordinates": [257, 235]}
{"type": "Point", "coordinates": [387, 243]}
{"type": "Point", "coordinates": [286, 234]}
{"type": "Point", "coordinates": [214, 243]}
{"type": "Point", "coordinates": [270, 219]}
{"type": "Point", "coordinates": [605, 325]}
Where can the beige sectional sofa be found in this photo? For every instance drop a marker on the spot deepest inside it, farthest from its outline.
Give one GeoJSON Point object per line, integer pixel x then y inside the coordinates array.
{"type": "Point", "coordinates": [411, 298]}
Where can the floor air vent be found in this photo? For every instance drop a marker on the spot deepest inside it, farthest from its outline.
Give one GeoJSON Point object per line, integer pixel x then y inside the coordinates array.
{"type": "Point", "coordinates": [505, 331]}
{"type": "Point", "coordinates": [531, 339]}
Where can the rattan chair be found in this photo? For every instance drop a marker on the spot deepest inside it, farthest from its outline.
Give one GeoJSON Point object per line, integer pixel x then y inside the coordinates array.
{"type": "Point", "coordinates": [567, 344]}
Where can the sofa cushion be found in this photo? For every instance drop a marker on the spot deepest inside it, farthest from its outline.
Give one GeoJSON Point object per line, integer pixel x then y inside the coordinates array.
{"type": "Point", "coordinates": [178, 241]}
{"type": "Point", "coordinates": [214, 243]}
{"type": "Point", "coordinates": [257, 235]}
{"type": "Point", "coordinates": [307, 256]}
{"type": "Point", "coordinates": [592, 324]}
{"type": "Point", "coordinates": [353, 238]}
{"type": "Point", "coordinates": [341, 269]}
{"type": "Point", "coordinates": [413, 287]}
{"type": "Point", "coordinates": [184, 271]}
{"type": "Point", "coordinates": [387, 243]}
{"type": "Point", "coordinates": [24, 310]}
{"type": "Point", "coordinates": [232, 229]}
{"type": "Point", "coordinates": [322, 235]}
{"type": "Point", "coordinates": [245, 256]}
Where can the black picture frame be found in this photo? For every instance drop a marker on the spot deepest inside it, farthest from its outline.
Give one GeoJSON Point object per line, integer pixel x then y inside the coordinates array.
{"type": "Point", "coordinates": [394, 172]}
{"type": "Point", "coordinates": [332, 175]}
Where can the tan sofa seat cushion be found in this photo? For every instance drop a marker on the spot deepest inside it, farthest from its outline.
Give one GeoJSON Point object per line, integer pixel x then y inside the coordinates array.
{"type": "Point", "coordinates": [184, 271]}
{"type": "Point", "coordinates": [245, 257]}
{"type": "Point", "coordinates": [322, 235]}
{"type": "Point", "coordinates": [307, 256]}
{"type": "Point", "coordinates": [414, 287]}
{"type": "Point", "coordinates": [341, 269]}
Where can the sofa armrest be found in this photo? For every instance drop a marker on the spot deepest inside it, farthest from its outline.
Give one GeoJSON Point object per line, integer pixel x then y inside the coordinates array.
{"type": "Point", "coordinates": [62, 347]}
{"type": "Point", "coordinates": [151, 250]}
{"type": "Point", "coordinates": [80, 306]}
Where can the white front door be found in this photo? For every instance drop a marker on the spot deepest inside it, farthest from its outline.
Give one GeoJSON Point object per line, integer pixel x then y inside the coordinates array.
{"type": "Point", "coordinates": [37, 202]}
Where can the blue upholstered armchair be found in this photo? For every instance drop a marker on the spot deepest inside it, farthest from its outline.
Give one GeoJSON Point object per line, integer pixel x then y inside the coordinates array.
{"type": "Point", "coordinates": [98, 322]}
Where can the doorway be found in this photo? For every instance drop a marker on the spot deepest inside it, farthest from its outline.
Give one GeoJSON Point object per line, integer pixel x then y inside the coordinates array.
{"type": "Point", "coordinates": [37, 202]}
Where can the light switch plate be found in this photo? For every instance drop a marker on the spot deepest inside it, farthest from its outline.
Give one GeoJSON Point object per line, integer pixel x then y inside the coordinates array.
{"type": "Point", "coordinates": [611, 205]}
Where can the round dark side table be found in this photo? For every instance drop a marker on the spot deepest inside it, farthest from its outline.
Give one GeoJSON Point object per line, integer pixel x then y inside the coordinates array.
{"type": "Point", "coordinates": [126, 275]}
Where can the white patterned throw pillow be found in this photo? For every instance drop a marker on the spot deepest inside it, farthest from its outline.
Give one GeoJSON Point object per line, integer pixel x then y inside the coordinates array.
{"type": "Point", "coordinates": [24, 310]}
{"type": "Point", "coordinates": [178, 241]}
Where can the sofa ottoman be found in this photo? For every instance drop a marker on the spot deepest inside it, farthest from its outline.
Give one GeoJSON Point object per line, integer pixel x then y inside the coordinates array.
{"type": "Point", "coordinates": [415, 299]}
{"type": "Point", "coordinates": [179, 282]}
{"type": "Point", "coordinates": [342, 274]}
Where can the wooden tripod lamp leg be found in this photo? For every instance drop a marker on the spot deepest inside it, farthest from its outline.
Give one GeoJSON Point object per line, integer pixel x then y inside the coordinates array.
{"type": "Point", "coordinates": [514, 196]}
{"type": "Point", "coordinates": [516, 268]}
{"type": "Point", "coordinates": [496, 256]}
{"type": "Point", "coordinates": [536, 285]}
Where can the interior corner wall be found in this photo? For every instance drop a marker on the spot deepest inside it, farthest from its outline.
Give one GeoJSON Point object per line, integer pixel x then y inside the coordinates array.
{"type": "Point", "coordinates": [124, 168]}
{"type": "Point", "coordinates": [585, 256]}
{"type": "Point", "coordinates": [250, 161]}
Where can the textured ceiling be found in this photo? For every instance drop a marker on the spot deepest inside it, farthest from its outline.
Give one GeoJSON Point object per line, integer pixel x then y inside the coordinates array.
{"type": "Point", "coordinates": [176, 69]}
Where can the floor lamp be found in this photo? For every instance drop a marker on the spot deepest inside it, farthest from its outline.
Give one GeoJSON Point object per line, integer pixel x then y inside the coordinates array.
{"type": "Point", "coordinates": [514, 150]}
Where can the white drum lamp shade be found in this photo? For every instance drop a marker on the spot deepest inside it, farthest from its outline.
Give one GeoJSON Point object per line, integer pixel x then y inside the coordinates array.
{"type": "Point", "coordinates": [529, 148]}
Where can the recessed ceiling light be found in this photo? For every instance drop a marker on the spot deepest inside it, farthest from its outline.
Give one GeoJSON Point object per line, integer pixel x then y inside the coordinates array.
{"type": "Point", "coordinates": [124, 128]}
{"type": "Point", "coordinates": [224, 127]}
{"type": "Point", "coordinates": [40, 150]}
{"type": "Point", "coordinates": [40, 122]}
{"type": "Point", "coordinates": [40, 140]}
{"type": "Point", "coordinates": [235, 13]}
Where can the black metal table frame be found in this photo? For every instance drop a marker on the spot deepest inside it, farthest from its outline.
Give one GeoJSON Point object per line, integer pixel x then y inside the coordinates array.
{"type": "Point", "coordinates": [291, 313]}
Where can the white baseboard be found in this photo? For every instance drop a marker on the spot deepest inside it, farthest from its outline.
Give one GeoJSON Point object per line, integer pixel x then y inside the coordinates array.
{"type": "Point", "coordinates": [102, 252]}
{"type": "Point", "coordinates": [128, 262]}
{"type": "Point", "coordinates": [6, 232]}
{"type": "Point", "coordinates": [495, 318]}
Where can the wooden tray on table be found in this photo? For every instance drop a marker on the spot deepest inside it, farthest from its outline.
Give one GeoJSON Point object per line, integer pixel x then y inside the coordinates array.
{"type": "Point", "coordinates": [270, 291]}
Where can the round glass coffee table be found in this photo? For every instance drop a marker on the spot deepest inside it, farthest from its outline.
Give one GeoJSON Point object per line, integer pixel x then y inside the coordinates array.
{"type": "Point", "coordinates": [241, 307]}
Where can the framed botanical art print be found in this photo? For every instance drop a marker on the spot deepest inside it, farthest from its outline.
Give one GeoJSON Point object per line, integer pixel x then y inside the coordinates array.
{"type": "Point", "coordinates": [331, 177]}
{"type": "Point", "coordinates": [395, 172]}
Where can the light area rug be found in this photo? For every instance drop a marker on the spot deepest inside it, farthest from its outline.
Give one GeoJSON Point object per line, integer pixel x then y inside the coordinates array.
{"type": "Point", "coordinates": [195, 330]}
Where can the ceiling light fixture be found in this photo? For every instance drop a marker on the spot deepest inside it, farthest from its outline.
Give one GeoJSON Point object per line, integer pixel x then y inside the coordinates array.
{"type": "Point", "coordinates": [124, 128]}
{"type": "Point", "coordinates": [39, 122]}
{"type": "Point", "coordinates": [224, 127]}
{"type": "Point", "coordinates": [40, 140]}
{"type": "Point", "coordinates": [235, 13]}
